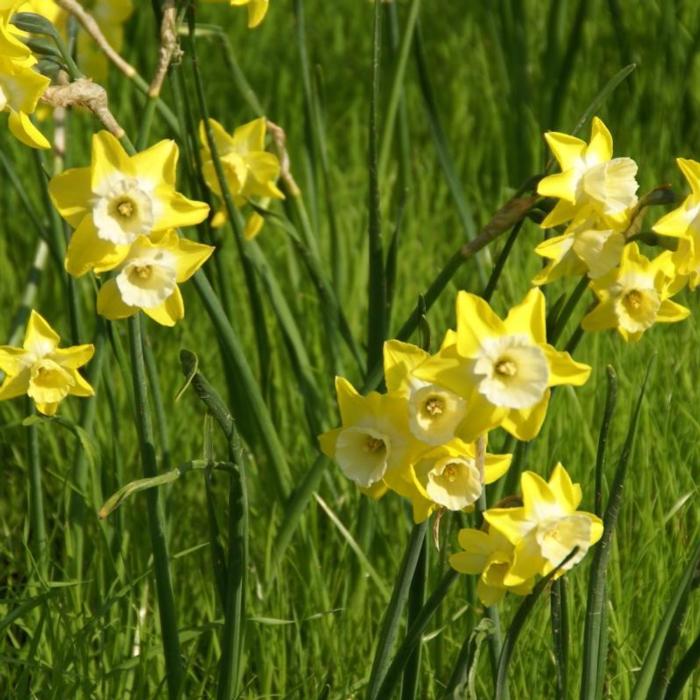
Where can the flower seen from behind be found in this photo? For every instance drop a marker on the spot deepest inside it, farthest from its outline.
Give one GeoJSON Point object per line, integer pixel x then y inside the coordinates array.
{"type": "Point", "coordinates": [257, 9]}
{"type": "Point", "coordinates": [42, 370]}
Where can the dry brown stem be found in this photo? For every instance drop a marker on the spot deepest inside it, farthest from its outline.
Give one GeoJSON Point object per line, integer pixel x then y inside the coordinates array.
{"type": "Point", "coordinates": [280, 139]}
{"type": "Point", "coordinates": [169, 47]}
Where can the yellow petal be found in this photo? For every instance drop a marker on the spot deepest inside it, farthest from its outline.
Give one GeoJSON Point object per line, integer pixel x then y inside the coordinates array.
{"type": "Point", "coordinates": [14, 386]}
{"type": "Point", "coordinates": [565, 148]}
{"type": "Point", "coordinates": [670, 312]}
{"type": "Point", "coordinates": [110, 303]}
{"type": "Point", "coordinates": [87, 251]}
{"type": "Point", "coordinates": [489, 595]}
{"type": "Point", "coordinates": [600, 147]}
{"type": "Point", "coordinates": [400, 359]}
{"type": "Point", "coordinates": [563, 211]}
{"type": "Point", "coordinates": [527, 562]}
{"type": "Point", "coordinates": [11, 359]}
{"type": "Point", "coordinates": [448, 369]}
{"type": "Point", "coordinates": [528, 317]}
{"type": "Point", "coordinates": [39, 337]}
{"type": "Point", "coordinates": [563, 369]}
{"type": "Point", "coordinates": [677, 222]}
{"type": "Point", "coordinates": [556, 247]}
{"type": "Point", "coordinates": [495, 466]}
{"type": "Point", "coordinates": [48, 409]}
{"type": "Point", "coordinates": [24, 130]}
{"type": "Point", "coordinates": [108, 157]}
{"type": "Point", "coordinates": [170, 311]}
{"type": "Point", "coordinates": [177, 211]}
{"type": "Point", "coordinates": [252, 226]}
{"type": "Point", "coordinates": [73, 357]}
{"type": "Point", "coordinates": [158, 163]}
{"type": "Point", "coordinates": [250, 136]}
{"type": "Point", "coordinates": [601, 318]}
{"type": "Point", "coordinates": [537, 495]}
{"type": "Point", "coordinates": [475, 322]}
{"type": "Point", "coordinates": [481, 417]}
{"type": "Point", "coordinates": [509, 522]}
{"type": "Point", "coordinates": [71, 193]}
{"type": "Point", "coordinates": [256, 12]}
{"type": "Point", "coordinates": [375, 491]}
{"type": "Point", "coordinates": [691, 171]}
{"type": "Point", "coordinates": [526, 423]}
{"type": "Point", "coordinates": [566, 492]}
{"type": "Point", "coordinates": [560, 185]}
{"type": "Point", "coordinates": [327, 441]}
{"type": "Point", "coordinates": [190, 257]}
{"type": "Point", "coordinates": [81, 386]}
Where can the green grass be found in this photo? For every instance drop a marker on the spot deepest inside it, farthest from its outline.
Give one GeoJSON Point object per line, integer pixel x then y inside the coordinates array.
{"type": "Point", "coordinates": [501, 73]}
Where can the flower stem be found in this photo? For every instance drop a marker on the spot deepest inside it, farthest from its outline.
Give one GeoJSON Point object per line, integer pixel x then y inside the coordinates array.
{"type": "Point", "coordinates": [164, 591]}
{"type": "Point", "coordinates": [36, 500]}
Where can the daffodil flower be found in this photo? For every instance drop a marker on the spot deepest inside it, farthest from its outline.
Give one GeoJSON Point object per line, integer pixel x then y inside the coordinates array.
{"type": "Point", "coordinates": [251, 172]}
{"type": "Point", "coordinates": [589, 177]}
{"type": "Point", "coordinates": [20, 85]}
{"type": "Point", "coordinates": [374, 443]}
{"type": "Point", "coordinates": [546, 528]}
{"type": "Point", "coordinates": [147, 278]}
{"type": "Point", "coordinates": [448, 477]}
{"type": "Point", "coordinates": [257, 9]}
{"type": "Point", "coordinates": [503, 369]}
{"type": "Point", "coordinates": [684, 223]}
{"type": "Point", "coordinates": [119, 198]}
{"type": "Point", "coordinates": [42, 370]}
{"type": "Point", "coordinates": [434, 411]}
{"type": "Point", "coordinates": [588, 246]}
{"type": "Point", "coordinates": [489, 555]}
{"type": "Point", "coordinates": [635, 296]}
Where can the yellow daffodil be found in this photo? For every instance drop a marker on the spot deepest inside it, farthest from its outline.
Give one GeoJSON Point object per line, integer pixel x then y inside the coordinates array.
{"type": "Point", "coordinates": [148, 276]}
{"type": "Point", "coordinates": [684, 223]}
{"type": "Point", "coordinates": [257, 9]}
{"type": "Point", "coordinates": [448, 477]}
{"type": "Point", "coordinates": [546, 528]}
{"type": "Point", "coordinates": [636, 295]}
{"type": "Point", "coordinates": [589, 177]}
{"type": "Point", "coordinates": [588, 246]}
{"type": "Point", "coordinates": [489, 555]}
{"type": "Point", "coordinates": [374, 443]}
{"type": "Point", "coordinates": [20, 85]}
{"type": "Point", "coordinates": [503, 369]}
{"type": "Point", "coordinates": [119, 198]}
{"type": "Point", "coordinates": [42, 370]}
{"type": "Point", "coordinates": [251, 172]}
{"type": "Point", "coordinates": [434, 412]}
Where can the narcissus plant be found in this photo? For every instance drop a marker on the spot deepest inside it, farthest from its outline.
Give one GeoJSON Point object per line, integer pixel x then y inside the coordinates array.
{"type": "Point", "coordinates": [119, 198]}
{"type": "Point", "coordinates": [636, 295]}
{"type": "Point", "coordinates": [589, 177]}
{"type": "Point", "coordinates": [503, 369]}
{"type": "Point", "coordinates": [42, 370]}
{"type": "Point", "coordinates": [257, 9]}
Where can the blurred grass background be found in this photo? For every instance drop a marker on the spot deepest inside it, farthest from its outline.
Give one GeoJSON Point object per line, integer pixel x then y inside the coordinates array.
{"type": "Point", "coordinates": [501, 73]}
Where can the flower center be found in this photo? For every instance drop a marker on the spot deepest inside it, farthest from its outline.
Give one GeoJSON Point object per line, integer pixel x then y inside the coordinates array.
{"type": "Point", "coordinates": [126, 208]}
{"type": "Point", "coordinates": [450, 471]}
{"type": "Point", "coordinates": [633, 300]}
{"type": "Point", "coordinates": [142, 271]}
{"type": "Point", "coordinates": [506, 368]}
{"type": "Point", "coordinates": [434, 406]}
{"type": "Point", "coordinates": [374, 445]}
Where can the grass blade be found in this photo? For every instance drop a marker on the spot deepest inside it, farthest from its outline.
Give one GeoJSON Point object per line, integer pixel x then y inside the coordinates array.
{"type": "Point", "coordinates": [686, 666]}
{"type": "Point", "coordinates": [394, 611]}
{"type": "Point", "coordinates": [560, 634]}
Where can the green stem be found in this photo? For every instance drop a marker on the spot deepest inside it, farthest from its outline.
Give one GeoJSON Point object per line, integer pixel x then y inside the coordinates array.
{"type": "Point", "coordinates": [560, 634]}
{"type": "Point", "coordinates": [164, 591]}
{"type": "Point", "coordinates": [416, 598]}
{"type": "Point", "coordinates": [36, 500]}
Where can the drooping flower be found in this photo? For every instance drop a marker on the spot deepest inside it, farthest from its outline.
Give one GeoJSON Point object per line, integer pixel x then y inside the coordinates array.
{"type": "Point", "coordinates": [589, 177]}
{"type": "Point", "coordinates": [636, 295]}
{"type": "Point", "coordinates": [257, 9]}
{"type": "Point", "coordinates": [546, 528]}
{"type": "Point", "coordinates": [590, 245]}
{"type": "Point", "coordinates": [503, 369]}
{"type": "Point", "coordinates": [147, 278]}
{"type": "Point", "coordinates": [251, 172]}
{"type": "Point", "coordinates": [119, 198]}
{"type": "Point", "coordinates": [448, 477]}
{"type": "Point", "coordinates": [20, 85]}
{"type": "Point", "coordinates": [489, 555]}
{"type": "Point", "coordinates": [42, 370]}
{"type": "Point", "coordinates": [374, 444]}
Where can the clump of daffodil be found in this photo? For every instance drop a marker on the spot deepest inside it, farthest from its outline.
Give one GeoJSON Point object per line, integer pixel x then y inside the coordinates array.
{"type": "Point", "coordinates": [251, 172]}
{"type": "Point", "coordinates": [488, 554]}
{"type": "Point", "coordinates": [147, 278]}
{"type": "Point", "coordinates": [20, 85]}
{"type": "Point", "coordinates": [590, 246]}
{"type": "Point", "coordinates": [684, 223]}
{"type": "Point", "coordinates": [119, 198]}
{"type": "Point", "coordinates": [636, 295]}
{"type": "Point", "coordinates": [42, 370]}
{"type": "Point", "coordinates": [257, 9]}
{"type": "Point", "coordinates": [374, 446]}
{"type": "Point", "coordinates": [590, 178]}
{"type": "Point", "coordinates": [448, 477]}
{"type": "Point", "coordinates": [503, 369]}
{"type": "Point", "coordinates": [546, 528]}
